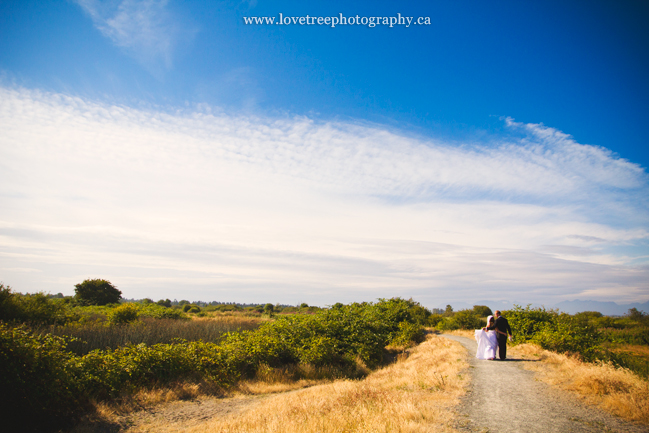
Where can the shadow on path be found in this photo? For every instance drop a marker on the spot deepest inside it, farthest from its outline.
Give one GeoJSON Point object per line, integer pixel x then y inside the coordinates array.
{"type": "Point", "coordinates": [503, 397]}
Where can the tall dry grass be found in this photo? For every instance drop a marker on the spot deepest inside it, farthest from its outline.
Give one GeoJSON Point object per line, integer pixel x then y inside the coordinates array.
{"type": "Point", "coordinates": [150, 331]}
{"type": "Point", "coordinates": [616, 390]}
{"type": "Point", "coordinates": [416, 394]}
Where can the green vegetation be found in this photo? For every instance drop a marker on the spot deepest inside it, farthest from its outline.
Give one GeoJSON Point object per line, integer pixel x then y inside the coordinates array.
{"type": "Point", "coordinates": [450, 320]}
{"type": "Point", "coordinates": [589, 335]}
{"type": "Point", "coordinates": [97, 292]}
{"type": "Point", "coordinates": [36, 308]}
{"type": "Point", "coordinates": [56, 375]}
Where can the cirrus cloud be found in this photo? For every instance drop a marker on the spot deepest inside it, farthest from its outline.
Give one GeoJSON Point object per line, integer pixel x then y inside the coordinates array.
{"type": "Point", "coordinates": [290, 209]}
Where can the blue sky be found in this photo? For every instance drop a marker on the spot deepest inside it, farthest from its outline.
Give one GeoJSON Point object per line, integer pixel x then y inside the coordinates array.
{"type": "Point", "coordinates": [498, 153]}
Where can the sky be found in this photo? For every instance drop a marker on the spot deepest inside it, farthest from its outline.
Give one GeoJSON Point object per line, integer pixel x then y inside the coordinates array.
{"type": "Point", "coordinates": [485, 151]}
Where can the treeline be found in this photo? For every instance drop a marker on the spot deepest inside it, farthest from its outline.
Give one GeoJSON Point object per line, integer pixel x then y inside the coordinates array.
{"type": "Point", "coordinates": [45, 379]}
{"type": "Point", "coordinates": [200, 306]}
{"type": "Point", "coordinates": [224, 306]}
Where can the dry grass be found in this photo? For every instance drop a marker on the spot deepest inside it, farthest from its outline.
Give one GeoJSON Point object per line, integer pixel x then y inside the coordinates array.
{"type": "Point", "coordinates": [615, 390]}
{"type": "Point", "coordinates": [107, 411]}
{"type": "Point", "coordinates": [413, 395]}
{"type": "Point", "coordinates": [151, 331]}
{"type": "Point", "coordinates": [268, 381]}
{"type": "Point", "coordinates": [462, 333]}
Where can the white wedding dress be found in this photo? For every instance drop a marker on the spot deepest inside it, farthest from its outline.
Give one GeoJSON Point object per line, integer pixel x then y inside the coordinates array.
{"type": "Point", "coordinates": [487, 344]}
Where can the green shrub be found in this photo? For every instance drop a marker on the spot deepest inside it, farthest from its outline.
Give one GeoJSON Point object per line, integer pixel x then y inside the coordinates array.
{"type": "Point", "coordinates": [125, 313]}
{"type": "Point", "coordinates": [37, 308]}
{"type": "Point", "coordinates": [40, 390]}
{"type": "Point", "coordinates": [561, 333]}
{"type": "Point", "coordinates": [408, 334]}
{"type": "Point", "coordinates": [53, 381]}
{"type": "Point", "coordinates": [569, 334]}
{"type": "Point", "coordinates": [194, 309]}
{"type": "Point", "coordinates": [434, 320]}
{"type": "Point", "coordinates": [463, 319]}
{"type": "Point", "coordinates": [160, 312]}
{"type": "Point", "coordinates": [526, 322]}
{"type": "Point", "coordinates": [637, 335]}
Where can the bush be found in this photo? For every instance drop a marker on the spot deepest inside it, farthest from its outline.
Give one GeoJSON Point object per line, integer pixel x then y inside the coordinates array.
{"type": "Point", "coordinates": [97, 292]}
{"type": "Point", "coordinates": [191, 308]}
{"type": "Point", "coordinates": [526, 322]}
{"type": "Point", "coordinates": [39, 381]}
{"type": "Point", "coordinates": [409, 333]}
{"type": "Point", "coordinates": [36, 308]}
{"type": "Point", "coordinates": [569, 334]}
{"type": "Point", "coordinates": [51, 381]}
{"type": "Point", "coordinates": [125, 313]}
{"type": "Point", "coordinates": [463, 319]}
{"type": "Point", "coordinates": [636, 336]}
{"type": "Point", "coordinates": [434, 320]}
{"type": "Point", "coordinates": [561, 333]}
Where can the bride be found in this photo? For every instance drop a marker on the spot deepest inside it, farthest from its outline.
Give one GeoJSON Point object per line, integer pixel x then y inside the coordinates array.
{"type": "Point", "coordinates": [487, 343]}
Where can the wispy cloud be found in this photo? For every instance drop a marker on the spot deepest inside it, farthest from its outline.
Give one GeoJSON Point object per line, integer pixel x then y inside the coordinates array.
{"type": "Point", "coordinates": [294, 209]}
{"type": "Point", "coordinates": [145, 29]}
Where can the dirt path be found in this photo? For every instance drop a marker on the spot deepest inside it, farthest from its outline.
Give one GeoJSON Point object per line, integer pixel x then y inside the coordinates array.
{"type": "Point", "coordinates": [175, 416]}
{"type": "Point", "coordinates": [503, 397]}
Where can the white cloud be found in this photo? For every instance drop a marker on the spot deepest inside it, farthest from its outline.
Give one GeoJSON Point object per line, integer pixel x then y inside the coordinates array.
{"type": "Point", "coordinates": [145, 29]}
{"type": "Point", "coordinates": [292, 209]}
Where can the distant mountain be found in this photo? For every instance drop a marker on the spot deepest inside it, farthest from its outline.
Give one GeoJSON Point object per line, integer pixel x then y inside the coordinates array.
{"type": "Point", "coordinates": [571, 307]}
{"type": "Point", "coordinates": [606, 308]}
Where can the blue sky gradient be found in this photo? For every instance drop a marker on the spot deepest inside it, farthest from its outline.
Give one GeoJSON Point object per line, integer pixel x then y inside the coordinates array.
{"type": "Point", "coordinates": [498, 153]}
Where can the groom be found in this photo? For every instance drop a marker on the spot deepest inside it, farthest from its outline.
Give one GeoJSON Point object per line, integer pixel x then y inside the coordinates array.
{"type": "Point", "coordinates": [502, 331]}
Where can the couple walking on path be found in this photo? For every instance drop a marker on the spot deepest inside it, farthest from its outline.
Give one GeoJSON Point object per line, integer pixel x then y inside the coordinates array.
{"type": "Point", "coordinates": [493, 336]}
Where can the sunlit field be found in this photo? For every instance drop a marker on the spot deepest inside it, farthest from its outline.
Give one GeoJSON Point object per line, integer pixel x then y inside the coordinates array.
{"type": "Point", "coordinates": [150, 331]}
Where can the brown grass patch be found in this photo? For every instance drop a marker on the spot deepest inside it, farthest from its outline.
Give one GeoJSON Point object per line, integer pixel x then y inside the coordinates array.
{"type": "Point", "coordinates": [413, 395]}
{"type": "Point", "coordinates": [633, 349]}
{"type": "Point", "coordinates": [613, 389]}
{"type": "Point", "coordinates": [145, 398]}
{"type": "Point", "coordinates": [462, 333]}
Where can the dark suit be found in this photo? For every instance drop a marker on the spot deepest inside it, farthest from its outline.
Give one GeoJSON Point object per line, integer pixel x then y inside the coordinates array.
{"type": "Point", "coordinates": [502, 331]}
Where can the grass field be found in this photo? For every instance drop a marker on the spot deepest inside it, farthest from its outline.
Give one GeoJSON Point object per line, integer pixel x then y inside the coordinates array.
{"type": "Point", "coordinates": [415, 394]}
{"type": "Point", "coordinates": [99, 335]}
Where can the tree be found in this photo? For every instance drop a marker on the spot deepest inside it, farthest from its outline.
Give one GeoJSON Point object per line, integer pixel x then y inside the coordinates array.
{"type": "Point", "coordinates": [448, 311]}
{"type": "Point", "coordinates": [636, 314]}
{"type": "Point", "coordinates": [164, 303]}
{"type": "Point", "coordinates": [97, 292]}
{"type": "Point", "coordinates": [268, 308]}
{"type": "Point", "coordinates": [482, 310]}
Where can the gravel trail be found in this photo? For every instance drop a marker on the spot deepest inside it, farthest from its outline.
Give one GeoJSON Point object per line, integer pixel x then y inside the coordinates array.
{"type": "Point", "coordinates": [503, 397]}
